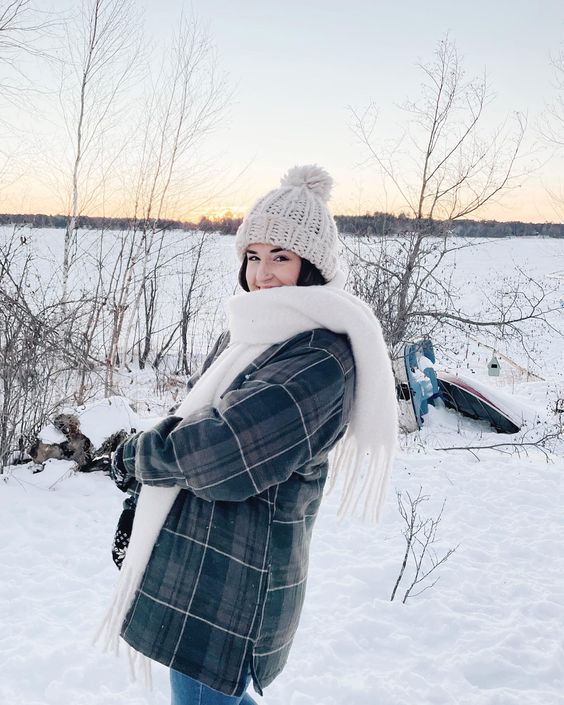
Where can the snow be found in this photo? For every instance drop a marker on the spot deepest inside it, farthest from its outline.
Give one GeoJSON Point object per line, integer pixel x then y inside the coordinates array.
{"type": "Point", "coordinates": [50, 434]}
{"type": "Point", "coordinates": [424, 363]}
{"type": "Point", "coordinates": [98, 421]}
{"type": "Point", "coordinates": [489, 632]}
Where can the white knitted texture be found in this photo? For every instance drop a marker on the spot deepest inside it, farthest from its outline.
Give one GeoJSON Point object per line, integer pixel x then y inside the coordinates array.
{"type": "Point", "coordinates": [295, 217]}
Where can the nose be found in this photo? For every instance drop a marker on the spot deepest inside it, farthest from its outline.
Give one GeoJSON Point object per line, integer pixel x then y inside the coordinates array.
{"type": "Point", "coordinates": [264, 271]}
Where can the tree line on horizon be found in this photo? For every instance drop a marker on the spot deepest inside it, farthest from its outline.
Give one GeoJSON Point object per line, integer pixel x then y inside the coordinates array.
{"type": "Point", "coordinates": [367, 225]}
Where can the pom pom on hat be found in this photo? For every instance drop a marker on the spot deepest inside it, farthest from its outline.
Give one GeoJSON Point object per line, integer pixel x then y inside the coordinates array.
{"type": "Point", "coordinates": [313, 177]}
{"type": "Point", "coordinates": [296, 217]}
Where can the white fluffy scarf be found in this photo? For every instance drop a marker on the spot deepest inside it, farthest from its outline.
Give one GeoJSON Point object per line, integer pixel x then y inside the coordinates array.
{"type": "Point", "coordinates": [362, 459]}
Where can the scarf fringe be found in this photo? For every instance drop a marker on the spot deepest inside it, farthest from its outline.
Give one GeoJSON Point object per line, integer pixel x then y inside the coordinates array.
{"type": "Point", "coordinates": [364, 475]}
{"type": "Point", "coordinates": [110, 628]}
{"type": "Point", "coordinates": [138, 661]}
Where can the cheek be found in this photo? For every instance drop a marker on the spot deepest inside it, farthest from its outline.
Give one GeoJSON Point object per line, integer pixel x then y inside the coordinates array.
{"type": "Point", "coordinates": [249, 274]}
{"type": "Point", "coordinates": [297, 265]}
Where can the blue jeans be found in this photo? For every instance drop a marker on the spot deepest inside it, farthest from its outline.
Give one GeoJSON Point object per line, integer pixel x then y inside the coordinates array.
{"type": "Point", "coordinates": [187, 691]}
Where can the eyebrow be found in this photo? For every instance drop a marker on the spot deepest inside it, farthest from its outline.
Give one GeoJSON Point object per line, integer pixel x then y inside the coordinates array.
{"type": "Point", "coordinates": [274, 249]}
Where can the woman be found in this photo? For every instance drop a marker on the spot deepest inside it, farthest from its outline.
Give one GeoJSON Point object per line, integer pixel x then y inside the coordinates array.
{"type": "Point", "coordinates": [214, 577]}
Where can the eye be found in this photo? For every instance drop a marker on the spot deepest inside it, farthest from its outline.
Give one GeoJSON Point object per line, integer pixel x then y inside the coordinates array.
{"type": "Point", "coordinates": [282, 258]}
{"type": "Point", "coordinates": [251, 258]}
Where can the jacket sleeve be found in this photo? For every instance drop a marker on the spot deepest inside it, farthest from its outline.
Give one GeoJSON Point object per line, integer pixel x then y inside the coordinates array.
{"type": "Point", "coordinates": [283, 415]}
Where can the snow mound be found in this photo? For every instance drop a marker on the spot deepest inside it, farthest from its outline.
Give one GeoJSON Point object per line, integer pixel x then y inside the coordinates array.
{"type": "Point", "coordinates": [101, 419]}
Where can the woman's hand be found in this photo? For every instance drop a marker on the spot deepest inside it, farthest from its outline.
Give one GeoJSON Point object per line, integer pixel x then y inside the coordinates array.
{"type": "Point", "coordinates": [122, 468]}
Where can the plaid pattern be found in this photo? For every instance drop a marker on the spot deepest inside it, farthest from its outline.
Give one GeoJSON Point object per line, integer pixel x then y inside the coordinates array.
{"type": "Point", "coordinates": [226, 580]}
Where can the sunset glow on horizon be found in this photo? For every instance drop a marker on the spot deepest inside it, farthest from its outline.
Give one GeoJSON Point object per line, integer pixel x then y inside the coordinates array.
{"type": "Point", "coordinates": [289, 93]}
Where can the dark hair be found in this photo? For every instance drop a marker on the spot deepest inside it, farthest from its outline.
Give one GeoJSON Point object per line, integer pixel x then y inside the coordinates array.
{"type": "Point", "coordinates": [309, 275]}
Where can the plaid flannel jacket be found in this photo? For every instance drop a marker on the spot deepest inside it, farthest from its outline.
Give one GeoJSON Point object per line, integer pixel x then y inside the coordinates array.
{"type": "Point", "coordinates": [225, 584]}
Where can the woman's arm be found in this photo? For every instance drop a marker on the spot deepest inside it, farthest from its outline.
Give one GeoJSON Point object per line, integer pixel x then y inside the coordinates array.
{"type": "Point", "coordinates": [284, 414]}
{"type": "Point", "coordinates": [122, 469]}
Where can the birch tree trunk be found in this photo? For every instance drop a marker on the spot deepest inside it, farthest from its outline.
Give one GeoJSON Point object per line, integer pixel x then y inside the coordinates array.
{"type": "Point", "coordinates": [102, 52]}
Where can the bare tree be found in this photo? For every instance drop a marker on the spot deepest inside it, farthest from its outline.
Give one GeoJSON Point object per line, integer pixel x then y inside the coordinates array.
{"type": "Point", "coordinates": [20, 30]}
{"type": "Point", "coordinates": [102, 48]}
{"type": "Point", "coordinates": [553, 128]}
{"type": "Point", "coordinates": [94, 305]}
{"type": "Point", "coordinates": [187, 99]}
{"type": "Point", "coordinates": [186, 103]}
{"type": "Point", "coordinates": [454, 171]}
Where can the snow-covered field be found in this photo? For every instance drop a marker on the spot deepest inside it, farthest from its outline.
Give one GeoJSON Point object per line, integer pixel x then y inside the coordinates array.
{"type": "Point", "coordinates": [489, 632]}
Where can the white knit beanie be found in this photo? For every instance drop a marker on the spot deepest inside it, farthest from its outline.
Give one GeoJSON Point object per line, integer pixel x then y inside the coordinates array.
{"type": "Point", "coordinates": [295, 217]}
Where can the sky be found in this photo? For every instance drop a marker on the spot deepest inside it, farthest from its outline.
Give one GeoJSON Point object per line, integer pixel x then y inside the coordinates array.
{"type": "Point", "coordinates": [294, 70]}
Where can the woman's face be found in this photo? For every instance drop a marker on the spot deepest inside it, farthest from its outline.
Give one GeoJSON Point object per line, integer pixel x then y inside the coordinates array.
{"type": "Point", "coordinates": [269, 266]}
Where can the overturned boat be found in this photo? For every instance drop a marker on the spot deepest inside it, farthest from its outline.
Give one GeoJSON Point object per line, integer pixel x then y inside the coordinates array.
{"type": "Point", "coordinates": [477, 401]}
{"type": "Point", "coordinates": [420, 383]}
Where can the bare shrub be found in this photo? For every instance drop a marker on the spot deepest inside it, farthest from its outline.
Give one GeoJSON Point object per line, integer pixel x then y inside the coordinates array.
{"type": "Point", "coordinates": [37, 359]}
{"type": "Point", "coordinates": [420, 535]}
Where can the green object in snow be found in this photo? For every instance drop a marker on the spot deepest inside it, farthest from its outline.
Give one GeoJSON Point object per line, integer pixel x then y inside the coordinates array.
{"type": "Point", "coordinates": [493, 367]}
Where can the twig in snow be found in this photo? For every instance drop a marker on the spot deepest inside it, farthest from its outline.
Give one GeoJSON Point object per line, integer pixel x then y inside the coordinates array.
{"type": "Point", "coordinates": [420, 535]}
